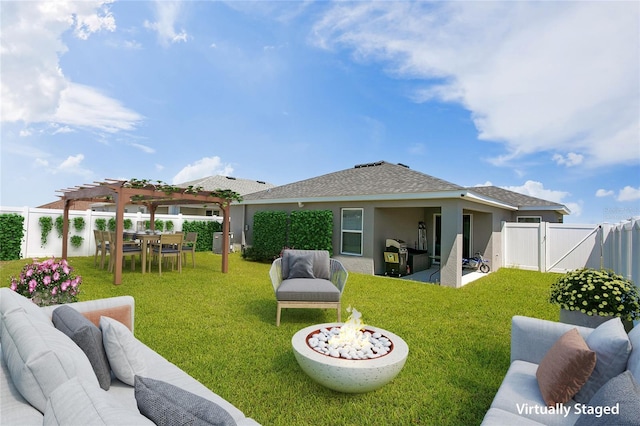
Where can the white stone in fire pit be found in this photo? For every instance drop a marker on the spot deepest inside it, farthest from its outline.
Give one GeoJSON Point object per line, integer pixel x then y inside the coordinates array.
{"type": "Point", "coordinates": [349, 375]}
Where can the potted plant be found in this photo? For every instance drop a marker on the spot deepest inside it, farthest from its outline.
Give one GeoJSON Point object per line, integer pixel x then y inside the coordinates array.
{"type": "Point", "coordinates": [590, 297]}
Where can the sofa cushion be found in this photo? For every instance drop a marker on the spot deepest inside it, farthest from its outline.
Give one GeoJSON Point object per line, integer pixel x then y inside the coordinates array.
{"type": "Point", "coordinates": [612, 347]}
{"type": "Point", "coordinates": [565, 368]}
{"type": "Point", "coordinates": [166, 404]}
{"type": "Point", "coordinates": [520, 395]}
{"type": "Point", "coordinates": [40, 358]}
{"type": "Point", "coordinates": [88, 337]}
{"type": "Point", "coordinates": [308, 289]}
{"type": "Point", "coordinates": [10, 301]}
{"type": "Point", "coordinates": [301, 266]}
{"type": "Point", "coordinates": [498, 417]}
{"type": "Point", "coordinates": [78, 402]}
{"type": "Point", "coordinates": [622, 395]}
{"type": "Point", "coordinates": [122, 350]}
{"type": "Point", "coordinates": [321, 262]}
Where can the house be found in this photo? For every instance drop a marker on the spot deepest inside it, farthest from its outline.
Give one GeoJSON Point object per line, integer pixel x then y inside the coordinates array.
{"type": "Point", "coordinates": [378, 201]}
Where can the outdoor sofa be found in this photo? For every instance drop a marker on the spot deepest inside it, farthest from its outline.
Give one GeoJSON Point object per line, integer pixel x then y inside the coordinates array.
{"type": "Point", "coordinates": [54, 371]}
{"type": "Point", "coordinates": [535, 345]}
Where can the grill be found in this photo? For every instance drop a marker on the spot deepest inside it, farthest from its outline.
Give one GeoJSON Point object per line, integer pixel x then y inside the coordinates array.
{"type": "Point", "coordinates": [395, 257]}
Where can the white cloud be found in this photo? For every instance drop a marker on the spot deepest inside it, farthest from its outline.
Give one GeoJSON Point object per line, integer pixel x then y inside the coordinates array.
{"type": "Point", "coordinates": [417, 149]}
{"type": "Point", "coordinates": [34, 88]}
{"type": "Point", "coordinates": [207, 166]}
{"type": "Point", "coordinates": [535, 76]}
{"type": "Point", "coordinates": [604, 193]}
{"type": "Point", "coordinates": [144, 148]}
{"type": "Point", "coordinates": [167, 12]}
{"type": "Point", "coordinates": [537, 189]}
{"type": "Point", "coordinates": [571, 159]}
{"type": "Point", "coordinates": [73, 165]}
{"type": "Point", "coordinates": [629, 193]}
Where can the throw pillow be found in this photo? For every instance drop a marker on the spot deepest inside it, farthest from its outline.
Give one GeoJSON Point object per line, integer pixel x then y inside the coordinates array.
{"type": "Point", "coordinates": [166, 404]}
{"type": "Point", "coordinates": [622, 397]}
{"type": "Point", "coordinates": [565, 368]}
{"type": "Point", "coordinates": [301, 266]}
{"type": "Point", "coordinates": [40, 358]}
{"type": "Point", "coordinates": [612, 347]}
{"type": "Point", "coordinates": [122, 350]}
{"type": "Point", "coordinates": [77, 402]}
{"type": "Point", "coordinates": [88, 337]}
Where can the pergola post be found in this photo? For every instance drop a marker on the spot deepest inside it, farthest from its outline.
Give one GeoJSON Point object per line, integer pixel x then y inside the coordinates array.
{"type": "Point", "coordinates": [117, 250]}
{"type": "Point", "coordinates": [65, 228]}
{"type": "Point", "coordinates": [225, 237]}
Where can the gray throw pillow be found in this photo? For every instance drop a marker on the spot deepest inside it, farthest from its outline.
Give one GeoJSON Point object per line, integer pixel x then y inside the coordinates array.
{"type": "Point", "coordinates": [620, 394]}
{"type": "Point", "coordinates": [301, 266]}
{"type": "Point", "coordinates": [166, 404]}
{"type": "Point", "coordinates": [612, 347]}
{"type": "Point", "coordinates": [88, 337]}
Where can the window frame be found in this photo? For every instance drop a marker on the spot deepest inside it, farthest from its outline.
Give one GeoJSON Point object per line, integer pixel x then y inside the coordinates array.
{"type": "Point", "coordinates": [351, 231]}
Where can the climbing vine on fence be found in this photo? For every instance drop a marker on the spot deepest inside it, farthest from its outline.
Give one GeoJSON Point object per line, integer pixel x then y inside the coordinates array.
{"type": "Point", "coordinates": [11, 234]}
{"type": "Point", "coordinates": [46, 225]}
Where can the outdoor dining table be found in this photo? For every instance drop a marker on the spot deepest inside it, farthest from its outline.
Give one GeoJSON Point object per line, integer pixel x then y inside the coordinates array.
{"type": "Point", "coordinates": [144, 239]}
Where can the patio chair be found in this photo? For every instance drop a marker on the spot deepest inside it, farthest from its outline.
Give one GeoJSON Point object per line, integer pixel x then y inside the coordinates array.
{"type": "Point", "coordinates": [189, 246]}
{"type": "Point", "coordinates": [100, 248]}
{"type": "Point", "coordinates": [128, 249]}
{"type": "Point", "coordinates": [169, 245]}
{"type": "Point", "coordinates": [307, 279]}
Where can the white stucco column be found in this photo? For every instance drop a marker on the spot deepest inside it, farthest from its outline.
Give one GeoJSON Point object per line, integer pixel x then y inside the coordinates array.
{"type": "Point", "coordinates": [451, 244]}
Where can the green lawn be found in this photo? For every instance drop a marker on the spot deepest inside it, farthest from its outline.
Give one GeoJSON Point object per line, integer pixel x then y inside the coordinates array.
{"type": "Point", "coordinates": [220, 328]}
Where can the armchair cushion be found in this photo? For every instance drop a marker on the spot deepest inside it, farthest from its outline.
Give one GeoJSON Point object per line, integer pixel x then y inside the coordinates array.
{"type": "Point", "coordinates": [321, 264]}
{"type": "Point", "coordinates": [308, 290]}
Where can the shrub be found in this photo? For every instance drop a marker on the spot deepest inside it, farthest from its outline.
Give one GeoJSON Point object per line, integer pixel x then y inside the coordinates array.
{"type": "Point", "coordinates": [597, 292]}
{"type": "Point", "coordinates": [47, 283]}
{"type": "Point", "coordinates": [11, 233]}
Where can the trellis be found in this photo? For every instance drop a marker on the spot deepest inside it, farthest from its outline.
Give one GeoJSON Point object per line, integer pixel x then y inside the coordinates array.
{"type": "Point", "coordinates": [142, 192]}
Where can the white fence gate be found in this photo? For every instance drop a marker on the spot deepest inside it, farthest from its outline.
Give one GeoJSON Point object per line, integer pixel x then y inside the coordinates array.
{"type": "Point", "coordinates": [561, 247]}
{"type": "Point", "coordinates": [32, 248]}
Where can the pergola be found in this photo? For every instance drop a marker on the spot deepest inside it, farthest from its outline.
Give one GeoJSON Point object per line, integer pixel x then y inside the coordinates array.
{"type": "Point", "coordinates": [123, 192]}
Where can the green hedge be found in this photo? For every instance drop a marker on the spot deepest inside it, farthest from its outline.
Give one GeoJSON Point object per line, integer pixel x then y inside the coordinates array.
{"type": "Point", "coordinates": [11, 234]}
{"type": "Point", "coordinates": [311, 230]}
{"type": "Point", "coordinates": [276, 230]}
{"type": "Point", "coordinates": [205, 230]}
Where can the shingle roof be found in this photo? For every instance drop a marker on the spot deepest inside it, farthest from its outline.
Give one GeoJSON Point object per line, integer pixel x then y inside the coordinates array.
{"type": "Point", "coordinates": [510, 197]}
{"type": "Point", "coordinates": [241, 186]}
{"type": "Point", "coordinates": [365, 179]}
{"type": "Point", "coordinates": [75, 205]}
{"type": "Point", "coordinates": [386, 179]}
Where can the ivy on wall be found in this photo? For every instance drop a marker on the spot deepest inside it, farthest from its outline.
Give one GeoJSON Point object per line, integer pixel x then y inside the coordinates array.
{"type": "Point", "coordinates": [275, 230]}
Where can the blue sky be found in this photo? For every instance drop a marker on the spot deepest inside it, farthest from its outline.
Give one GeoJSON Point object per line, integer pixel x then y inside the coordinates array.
{"type": "Point", "coordinates": [538, 97]}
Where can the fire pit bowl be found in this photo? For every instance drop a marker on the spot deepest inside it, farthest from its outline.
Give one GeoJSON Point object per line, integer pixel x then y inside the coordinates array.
{"type": "Point", "coordinates": [349, 375]}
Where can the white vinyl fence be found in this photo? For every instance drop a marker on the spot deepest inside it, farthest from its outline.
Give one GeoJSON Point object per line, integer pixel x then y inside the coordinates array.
{"type": "Point", "coordinates": [31, 244]}
{"type": "Point", "coordinates": [561, 247]}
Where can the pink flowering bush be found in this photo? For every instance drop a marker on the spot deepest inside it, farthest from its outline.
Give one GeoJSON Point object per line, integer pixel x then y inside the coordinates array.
{"type": "Point", "coordinates": [50, 282]}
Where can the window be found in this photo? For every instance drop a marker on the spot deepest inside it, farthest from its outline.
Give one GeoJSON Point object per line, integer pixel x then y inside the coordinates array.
{"type": "Point", "coordinates": [529, 219]}
{"type": "Point", "coordinates": [351, 231]}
